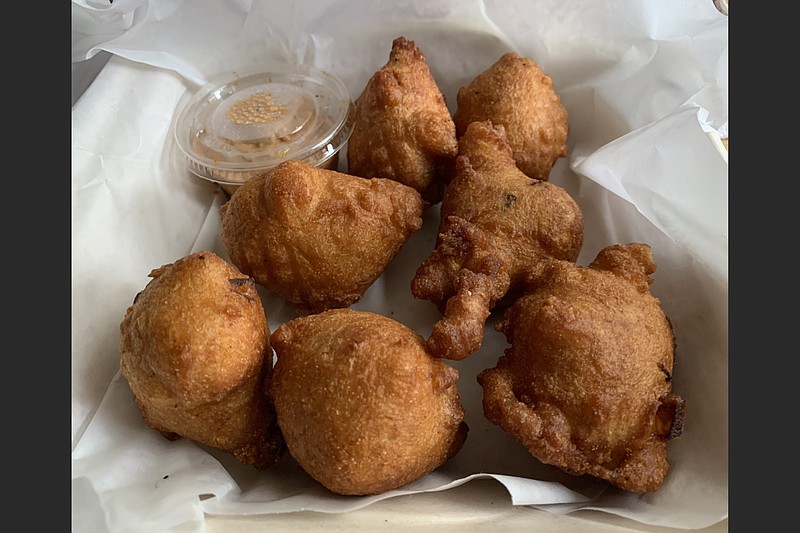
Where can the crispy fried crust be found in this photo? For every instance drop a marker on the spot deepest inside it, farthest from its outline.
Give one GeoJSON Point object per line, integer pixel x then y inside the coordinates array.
{"type": "Point", "coordinates": [363, 406]}
{"type": "Point", "coordinates": [497, 225]}
{"type": "Point", "coordinates": [403, 130]}
{"type": "Point", "coordinates": [586, 384]}
{"type": "Point", "coordinates": [195, 351]}
{"type": "Point", "coordinates": [515, 93]}
{"type": "Point", "coordinates": [318, 238]}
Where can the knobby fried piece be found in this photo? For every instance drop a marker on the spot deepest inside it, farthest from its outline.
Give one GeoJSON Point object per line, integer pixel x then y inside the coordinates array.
{"type": "Point", "coordinates": [403, 130]}
{"type": "Point", "coordinates": [364, 408]}
{"type": "Point", "coordinates": [195, 351]}
{"type": "Point", "coordinates": [586, 384]}
{"type": "Point", "coordinates": [517, 94]}
{"type": "Point", "coordinates": [497, 225]}
{"type": "Point", "coordinates": [318, 238]}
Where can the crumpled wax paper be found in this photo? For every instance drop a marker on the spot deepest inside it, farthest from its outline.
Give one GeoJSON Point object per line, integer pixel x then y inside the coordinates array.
{"type": "Point", "coordinates": [645, 84]}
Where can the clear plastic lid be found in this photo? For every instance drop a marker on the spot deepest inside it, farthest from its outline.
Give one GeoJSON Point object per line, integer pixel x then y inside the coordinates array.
{"type": "Point", "coordinates": [236, 127]}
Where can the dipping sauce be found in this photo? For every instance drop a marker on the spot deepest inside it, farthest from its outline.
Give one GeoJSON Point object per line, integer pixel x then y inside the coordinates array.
{"type": "Point", "coordinates": [237, 127]}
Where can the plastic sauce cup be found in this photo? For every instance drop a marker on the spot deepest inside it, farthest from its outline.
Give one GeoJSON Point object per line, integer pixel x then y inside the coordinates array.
{"type": "Point", "coordinates": [240, 126]}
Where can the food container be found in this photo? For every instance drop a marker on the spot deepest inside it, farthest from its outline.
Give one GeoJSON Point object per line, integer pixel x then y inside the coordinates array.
{"type": "Point", "coordinates": [238, 126]}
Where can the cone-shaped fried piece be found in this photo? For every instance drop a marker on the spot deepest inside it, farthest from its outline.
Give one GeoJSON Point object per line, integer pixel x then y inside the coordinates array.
{"type": "Point", "coordinates": [403, 129]}
{"type": "Point", "coordinates": [364, 408]}
{"type": "Point", "coordinates": [318, 238]}
{"type": "Point", "coordinates": [517, 94]}
{"type": "Point", "coordinates": [195, 351]}
{"type": "Point", "coordinates": [496, 225]}
{"type": "Point", "coordinates": [586, 384]}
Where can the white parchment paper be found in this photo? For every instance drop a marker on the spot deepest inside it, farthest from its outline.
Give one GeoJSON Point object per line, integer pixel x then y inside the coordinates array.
{"type": "Point", "coordinates": [645, 84]}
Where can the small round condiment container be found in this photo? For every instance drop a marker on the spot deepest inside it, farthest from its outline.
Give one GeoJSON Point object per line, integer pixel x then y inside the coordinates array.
{"type": "Point", "coordinates": [239, 126]}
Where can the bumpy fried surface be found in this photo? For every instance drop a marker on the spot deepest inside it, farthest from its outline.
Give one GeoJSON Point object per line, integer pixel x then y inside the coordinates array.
{"type": "Point", "coordinates": [586, 384]}
{"type": "Point", "coordinates": [515, 93]}
{"type": "Point", "coordinates": [403, 129]}
{"type": "Point", "coordinates": [496, 225]}
{"type": "Point", "coordinates": [195, 351]}
{"type": "Point", "coordinates": [318, 238]}
{"type": "Point", "coordinates": [363, 407]}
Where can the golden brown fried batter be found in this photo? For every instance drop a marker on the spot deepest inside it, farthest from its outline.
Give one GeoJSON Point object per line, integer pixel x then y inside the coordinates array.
{"type": "Point", "coordinates": [403, 129]}
{"type": "Point", "coordinates": [586, 384]}
{"type": "Point", "coordinates": [515, 93]}
{"type": "Point", "coordinates": [496, 225]}
{"type": "Point", "coordinates": [318, 238]}
{"type": "Point", "coordinates": [363, 407]}
{"type": "Point", "coordinates": [195, 351]}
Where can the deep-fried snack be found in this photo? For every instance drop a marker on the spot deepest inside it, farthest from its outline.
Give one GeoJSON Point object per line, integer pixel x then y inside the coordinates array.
{"type": "Point", "coordinates": [318, 238]}
{"type": "Point", "coordinates": [496, 225]}
{"type": "Point", "coordinates": [403, 129]}
{"type": "Point", "coordinates": [363, 407]}
{"type": "Point", "coordinates": [517, 94]}
{"type": "Point", "coordinates": [586, 384]}
{"type": "Point", "coordinates": [195, 351]}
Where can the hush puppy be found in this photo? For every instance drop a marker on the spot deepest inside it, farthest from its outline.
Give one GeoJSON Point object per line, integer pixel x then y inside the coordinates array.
{"type": "Point", "coordinates": [586, 385]}
{"type": "Point", "coordinates": [496, 224]}
{"type": "Point", "coordinates": [363, 407]}
{"type": "Point", "coordinates": [318, 238]}
{"type": "Point", "coordinates": [517, 94]}
{"type": "Point", "coordinates": [403, 129]}
{"type": "Point", "coordinates": [195, 351]}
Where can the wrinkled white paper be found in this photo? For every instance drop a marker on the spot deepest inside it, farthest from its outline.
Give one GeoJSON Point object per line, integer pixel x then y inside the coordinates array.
{"type": "Point", "coordinates": [644, 84]}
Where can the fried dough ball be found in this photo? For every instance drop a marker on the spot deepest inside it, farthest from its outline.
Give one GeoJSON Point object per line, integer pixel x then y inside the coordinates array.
{"type": "Point", "coordinates": [363, 407]}
{"type": "Point", "coordinates": [403, 129]}
{"type": "Point", "coordinates": [515, 93]}
{"type": "Point", "coordinates": [195, 351]}
{"type": "Point", "coordinates": [586, 384]}
{"type": "Point", "coordinates": [496, 225]}
{"type": "Point", "coordinates": [318, 238]}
